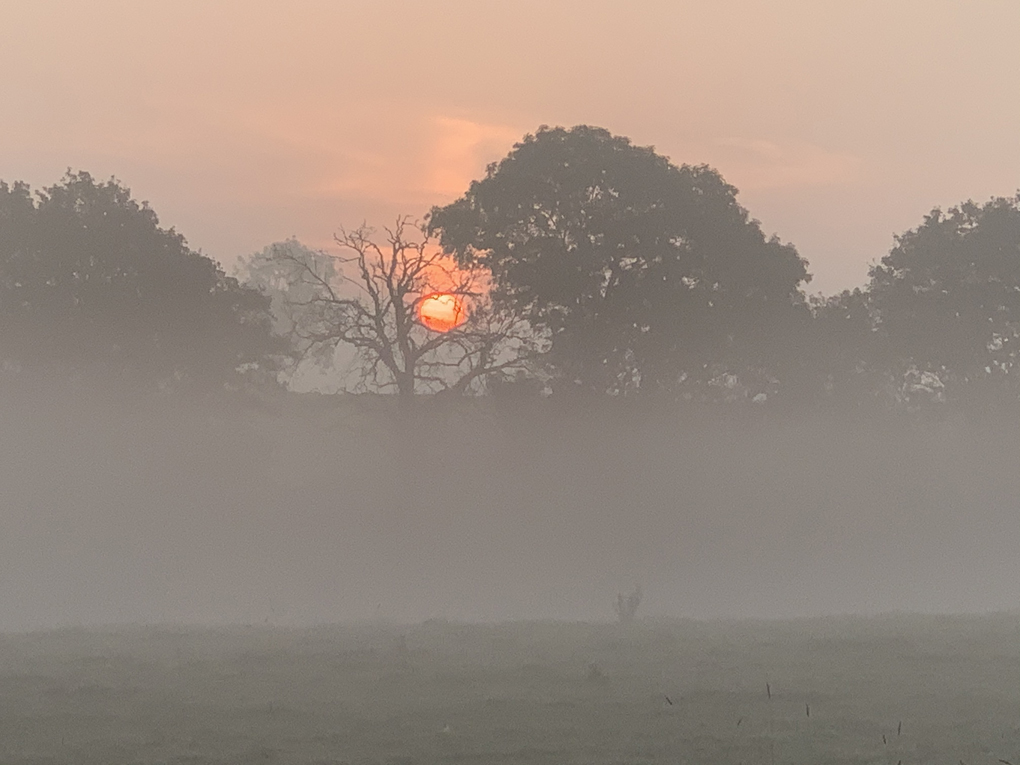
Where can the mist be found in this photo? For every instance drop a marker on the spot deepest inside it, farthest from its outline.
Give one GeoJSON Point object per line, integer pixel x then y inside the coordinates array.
{"type": "Point", "coordinates": [297, 509]}
{"type": "Point", "coordinates": [525, 383]}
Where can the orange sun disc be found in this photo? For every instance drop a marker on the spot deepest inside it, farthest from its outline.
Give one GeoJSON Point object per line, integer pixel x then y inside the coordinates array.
{"type": "Point", "coordinates": [442, 311]}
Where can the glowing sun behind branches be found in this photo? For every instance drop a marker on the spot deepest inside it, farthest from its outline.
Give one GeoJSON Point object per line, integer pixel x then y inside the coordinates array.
{"type": "Point", "coordinates": [442, 311]}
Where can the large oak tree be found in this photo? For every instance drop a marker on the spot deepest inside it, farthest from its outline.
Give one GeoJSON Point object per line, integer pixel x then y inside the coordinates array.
{"type": "Point", "coordinates": [646, 276]}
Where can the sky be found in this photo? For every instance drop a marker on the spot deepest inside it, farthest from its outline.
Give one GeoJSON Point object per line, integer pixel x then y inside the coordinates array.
{"type": "Point", "coordinates": [245, 122]}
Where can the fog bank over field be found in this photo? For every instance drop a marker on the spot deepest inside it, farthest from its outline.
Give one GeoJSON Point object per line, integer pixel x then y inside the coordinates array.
{"type": "Point", "coordinates": [310, 509]}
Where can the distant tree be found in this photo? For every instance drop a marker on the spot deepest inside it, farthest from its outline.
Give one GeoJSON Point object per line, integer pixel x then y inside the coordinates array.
{"type": "Point", "coordinates": [947, 304]}
{"type": "Point", "coordinates": [646, 277]}
{"type": "Point", "coordinates": [840, 357]}
{"type": "Point", "coordinates": [279, 271]}
{"type": "Point", "coordinates": [91, 284]}
{"type": "Point", "coordinates": [368, 298]}
{"type": "Point", "coordinates": [627, 605]}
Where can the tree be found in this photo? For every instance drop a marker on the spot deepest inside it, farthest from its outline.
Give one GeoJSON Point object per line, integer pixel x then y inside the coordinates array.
{"type": "Point", "coordinates": [368, 299]}
{"type": "Point", "coordinates": [91, 284]}
{"type": "Point", "coordinates": [278, 272]}
{"type": "Point", "coordinates": [626, 606]}
{"type": "Point", "coordinates": [947, 301]}
{"type": "Point", "coordinates": [646, 276]}
{"type": "Point", "coordinates": [844, 360]}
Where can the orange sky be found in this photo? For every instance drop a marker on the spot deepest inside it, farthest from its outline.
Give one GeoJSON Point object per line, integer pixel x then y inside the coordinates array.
{"type": "Point", "coordinates": [245, 122]}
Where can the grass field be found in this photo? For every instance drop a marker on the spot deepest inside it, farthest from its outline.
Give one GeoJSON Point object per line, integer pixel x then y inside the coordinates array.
{"type": "Point", "coordinates": [891, 689]}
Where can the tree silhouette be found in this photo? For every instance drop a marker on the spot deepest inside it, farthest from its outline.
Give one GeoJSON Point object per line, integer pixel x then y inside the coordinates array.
{"type": "Point", "coordinates": [91, 284]}
{"type": "Point", "coordinates": [947, 303]}
{"type": "Point", "coordinates": [368, 298]}
{"type": "Point", "coordinates": [646, 276]}
{"type": "Point", "coordinates": [627, 605]}
{"type": "Point", "coordinates": [841, 360]}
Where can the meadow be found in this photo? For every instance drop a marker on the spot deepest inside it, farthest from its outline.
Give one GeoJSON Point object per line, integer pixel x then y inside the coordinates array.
{"type": "Point", "coordinates": [885, 689]}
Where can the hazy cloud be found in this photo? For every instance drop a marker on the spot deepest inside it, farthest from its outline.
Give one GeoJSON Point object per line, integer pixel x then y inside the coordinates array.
{"type": "Point", "coordinates": [755, 163]}
{"type": "Point", "coordinates": [462, 150]}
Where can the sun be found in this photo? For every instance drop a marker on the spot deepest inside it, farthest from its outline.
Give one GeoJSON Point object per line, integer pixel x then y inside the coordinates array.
{"type": "Point", "coordinates": [442, 311]}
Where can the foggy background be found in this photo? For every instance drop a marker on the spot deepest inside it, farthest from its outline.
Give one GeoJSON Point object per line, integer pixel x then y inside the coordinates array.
{"type": "Point", "coordinates": [300, 510]}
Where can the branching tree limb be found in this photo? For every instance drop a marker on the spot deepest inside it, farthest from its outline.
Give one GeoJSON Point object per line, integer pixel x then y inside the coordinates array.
{"type": "Point", "coordinates": [368, 297]}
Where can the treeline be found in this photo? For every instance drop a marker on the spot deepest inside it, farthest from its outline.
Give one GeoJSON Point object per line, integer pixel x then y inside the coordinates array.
{"type": "Point", "coordinates": [94, 292]}
{"type": "Point", "coordinates": [592, 270]}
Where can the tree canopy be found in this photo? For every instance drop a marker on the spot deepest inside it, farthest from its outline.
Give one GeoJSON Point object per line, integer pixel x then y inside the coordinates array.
{"type": "Point", "coordinates": [947, 302]}
{"type": "Point", "coordinates": [645, 276]}
{"type": "Point", "coordinates": [91, 284]}
{"type": "Point", "coordinates": [583, 261]}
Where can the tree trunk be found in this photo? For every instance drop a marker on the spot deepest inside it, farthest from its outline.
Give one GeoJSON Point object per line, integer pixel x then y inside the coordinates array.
{"type": "Point", "coordinates": [405, 391]}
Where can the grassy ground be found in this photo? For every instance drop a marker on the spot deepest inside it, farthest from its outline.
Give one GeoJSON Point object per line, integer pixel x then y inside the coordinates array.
{"type": "Point", "coordinates": [885, 690]}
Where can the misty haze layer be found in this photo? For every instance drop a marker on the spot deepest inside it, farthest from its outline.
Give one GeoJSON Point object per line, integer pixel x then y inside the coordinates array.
{"type": "Point", "coordinates": [309, 509]}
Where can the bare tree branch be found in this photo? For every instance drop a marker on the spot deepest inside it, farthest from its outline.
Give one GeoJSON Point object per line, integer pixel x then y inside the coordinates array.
{"type": "Point", "coordinates": [368, 297]}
